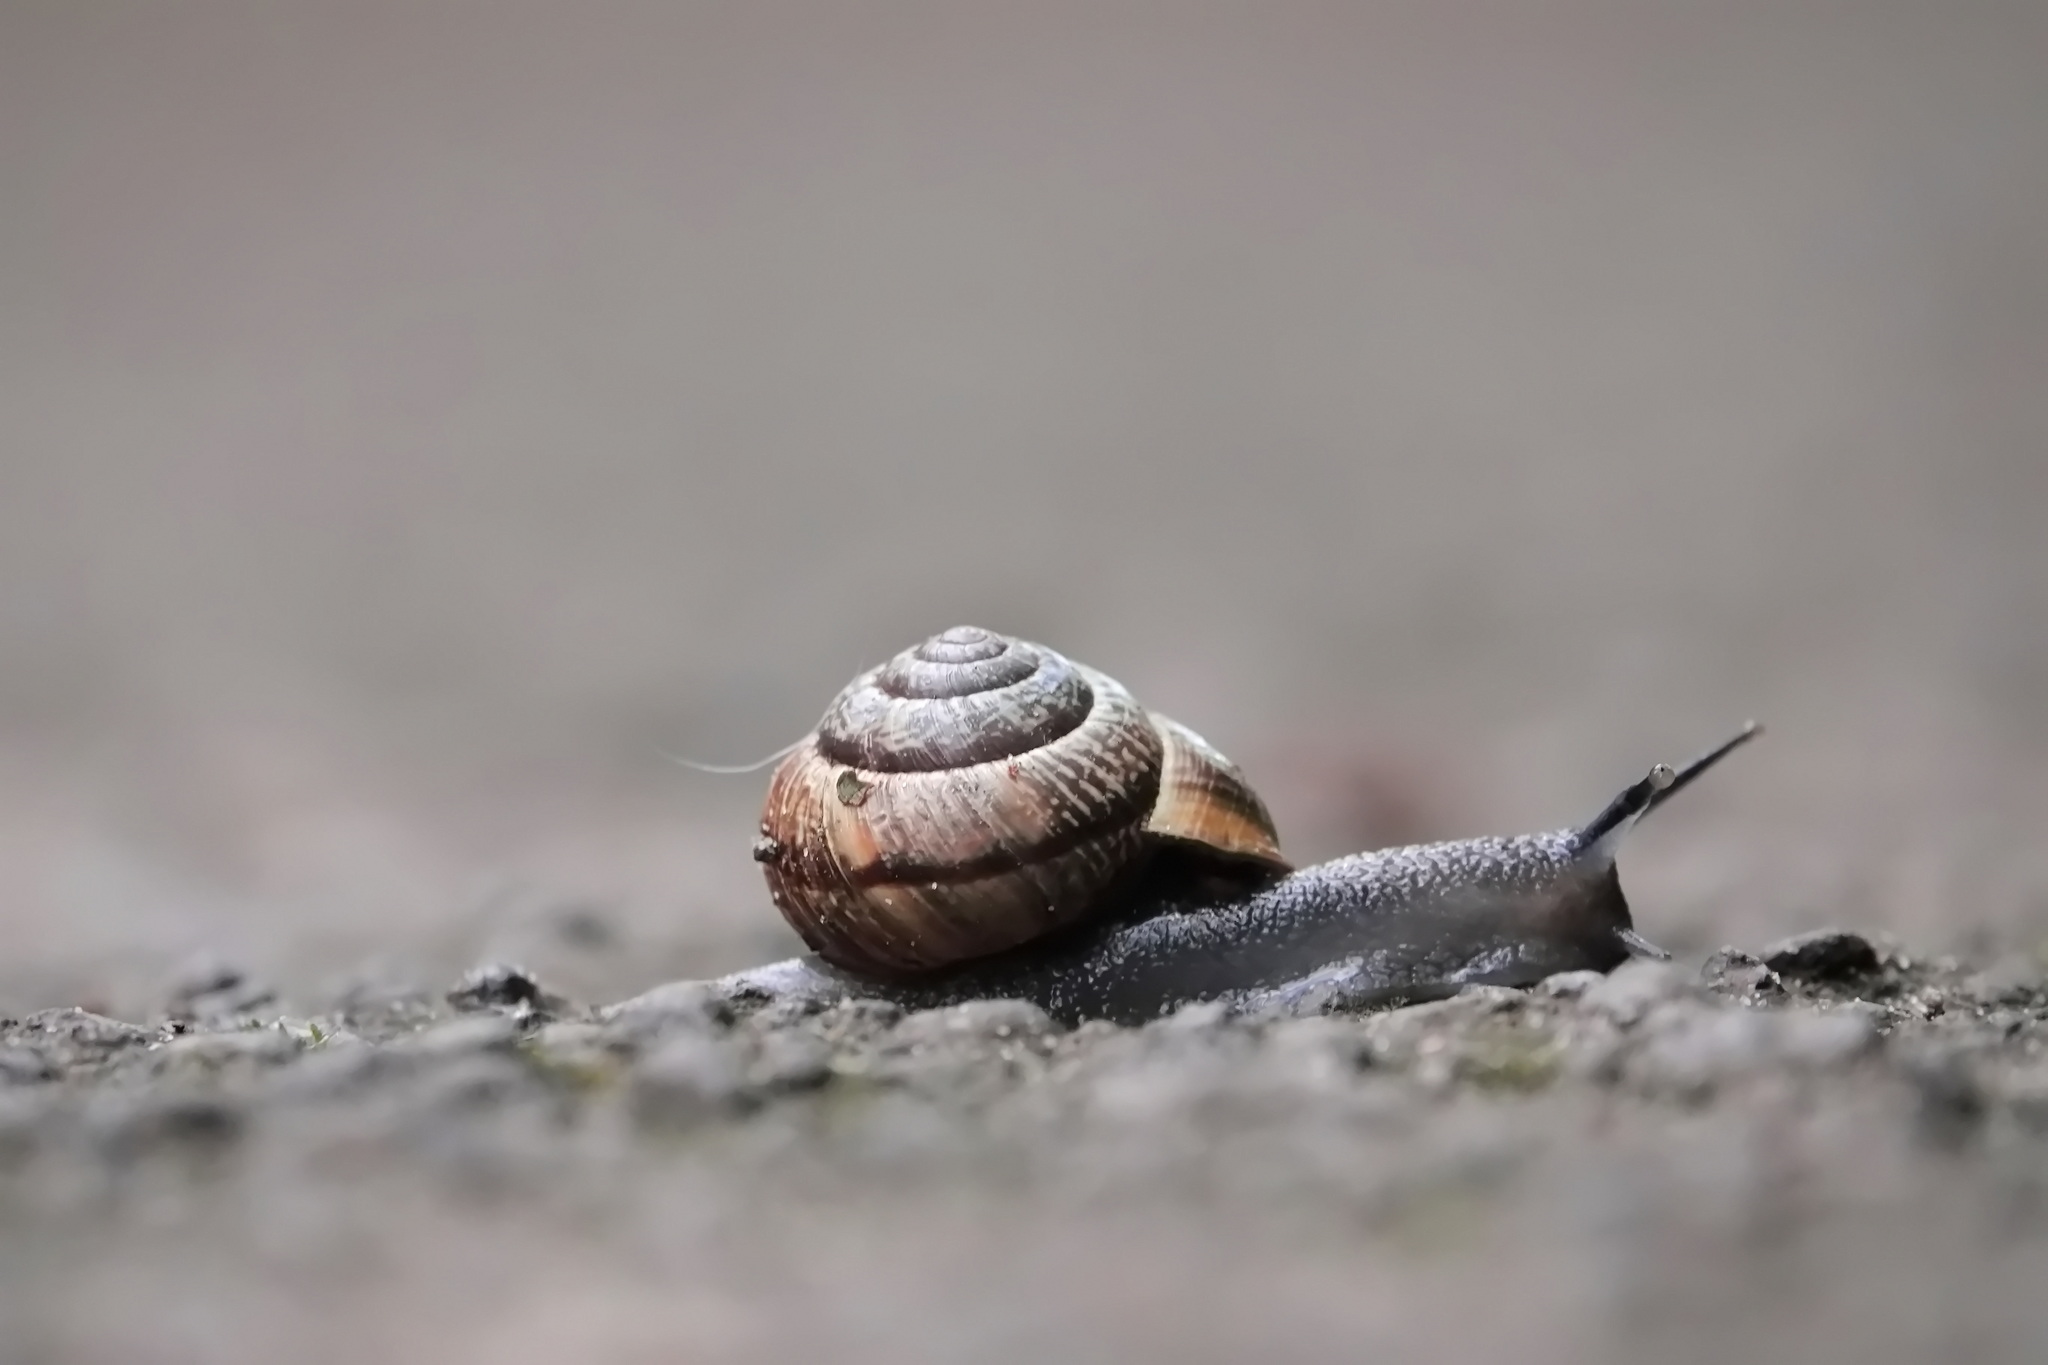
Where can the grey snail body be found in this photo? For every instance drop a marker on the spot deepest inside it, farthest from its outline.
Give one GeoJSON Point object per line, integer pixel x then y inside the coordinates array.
{"type": "Point", "coordinates": [1189, 921]}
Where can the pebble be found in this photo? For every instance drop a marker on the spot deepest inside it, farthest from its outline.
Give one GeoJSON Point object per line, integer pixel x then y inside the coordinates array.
{"type": "Point", "coordinates": [1196, 1017]}
{"type": "Point", "coordinates": [500, 985]}
{"type": "Point", "coordinates": [677, 1006]}
{"type": "Point", "coordinates": [76, 1034]}
{"type": "Point", "coordinates": [1822, 955]}
{"type": "Point", "coordinates": [1731, 971]}
{"type": "Point", "coordinates": [1568, 985]}
{"type": "Point", "coordinates": [1630, 991]}
{"type": "Point", "coordinates": [1490, 999]}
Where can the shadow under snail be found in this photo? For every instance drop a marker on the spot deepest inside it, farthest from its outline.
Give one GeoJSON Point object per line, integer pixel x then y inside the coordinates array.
{"type": "Point", "coordinates": [980, 818]}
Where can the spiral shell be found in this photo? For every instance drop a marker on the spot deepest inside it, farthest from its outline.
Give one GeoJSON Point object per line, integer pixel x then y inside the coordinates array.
{"type": "Point", "coordinates": [977, 792]}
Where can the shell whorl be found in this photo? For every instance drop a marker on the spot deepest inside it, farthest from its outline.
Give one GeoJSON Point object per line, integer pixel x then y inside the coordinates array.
{"type": "Point", "coordinates": [972, 794]}
{"type": "Point", "coordinates": [963, 697]}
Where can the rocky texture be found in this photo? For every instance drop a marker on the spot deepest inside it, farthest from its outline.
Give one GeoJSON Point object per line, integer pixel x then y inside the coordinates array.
{"type": "Point", "coordinates": [1659, 1162]}
{"type": "Point", "coordinates": [1823, 955]}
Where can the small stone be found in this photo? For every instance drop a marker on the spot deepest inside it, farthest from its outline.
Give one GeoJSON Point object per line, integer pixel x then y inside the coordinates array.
{"type": "Point", "coordinates": [1568, 985]}
{"type": "Point", "coordinates": [792, 982]}
{"type": "Point", "coordinates": [81, 1030]}
{"type": "Point", "coordinates": [1630, 991]}
{"type": "Point", "coordinates": [1822, 955]}
{"type": "Point", "coordinates": [687, 1080]}
{"type": "Point", "coordinates": [1731, 971]}
{"type": "Point", "coordinates": [1928, 1002]}
{"type": "Point", "coordinates": [1195, 1017]}
{"type": "Point", "coordinates": [677, 1006]}
{"type": "Point", "coordinates": [500, 985]}
{"type": "Point", "coordinates": [1492, 999]}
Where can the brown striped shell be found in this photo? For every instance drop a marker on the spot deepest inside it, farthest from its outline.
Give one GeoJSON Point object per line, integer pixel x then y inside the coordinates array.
{"type": "Point", "coordinates": [977, 792]}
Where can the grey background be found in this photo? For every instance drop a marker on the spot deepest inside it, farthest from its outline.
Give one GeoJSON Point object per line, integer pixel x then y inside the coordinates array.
{"type": "Point", "coordinates": [416, 418]}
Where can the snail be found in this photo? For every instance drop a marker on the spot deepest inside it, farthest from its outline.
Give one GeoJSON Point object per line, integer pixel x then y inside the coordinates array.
{"type": "Point", "coordinates": [979, 817]}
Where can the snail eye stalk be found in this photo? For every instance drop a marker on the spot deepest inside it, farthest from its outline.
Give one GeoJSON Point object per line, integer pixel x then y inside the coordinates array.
{"type": "Point", "coordinates": [1597, 839]}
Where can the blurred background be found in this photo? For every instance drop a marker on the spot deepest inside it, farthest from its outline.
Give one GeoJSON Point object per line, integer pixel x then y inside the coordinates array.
{"type": "Point", "coordinates": [415, 419]}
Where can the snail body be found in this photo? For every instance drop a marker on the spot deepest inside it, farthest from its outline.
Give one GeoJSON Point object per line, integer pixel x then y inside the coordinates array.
{"type": "Point", "coordinates": [1200, 907]}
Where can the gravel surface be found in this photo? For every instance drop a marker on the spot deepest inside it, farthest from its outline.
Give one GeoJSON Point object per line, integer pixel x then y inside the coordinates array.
{"type": "Point", "coordinates": [1714, 1161]}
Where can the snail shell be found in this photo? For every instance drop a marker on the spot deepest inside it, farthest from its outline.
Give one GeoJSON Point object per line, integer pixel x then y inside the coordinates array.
{"type": "Point", "coordinates": [978, 792]}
